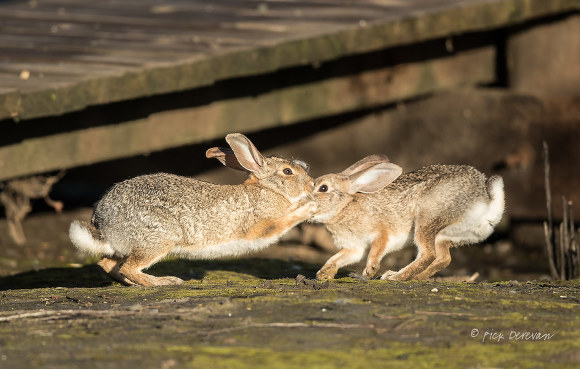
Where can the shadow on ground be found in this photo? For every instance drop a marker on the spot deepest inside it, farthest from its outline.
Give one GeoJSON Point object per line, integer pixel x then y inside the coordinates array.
{"type": "Point", "coordinates": [93, 276]}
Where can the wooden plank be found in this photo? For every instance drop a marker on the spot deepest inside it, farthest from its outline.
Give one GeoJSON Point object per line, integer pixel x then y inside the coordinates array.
{"type": "Point", "coordinates": [552, 65]}
{"type": "Point", "coordinates": [328, 30]}
{"type": "Point", "coordinates": [496, 130]}
{"type": "Point", "coordinates": [279, 107]}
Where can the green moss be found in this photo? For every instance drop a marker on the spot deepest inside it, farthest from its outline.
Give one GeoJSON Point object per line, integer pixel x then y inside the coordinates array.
{"type": "Point", "coordinates": [392, 355]}
{"type": "Point", "coordinates": [234, 317]}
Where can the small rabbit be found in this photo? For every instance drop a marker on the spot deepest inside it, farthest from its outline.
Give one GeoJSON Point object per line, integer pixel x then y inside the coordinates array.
{"type": "Point", "coordinates": [143, 219]}
{"type": "Point", "coordinates": [436, 207]}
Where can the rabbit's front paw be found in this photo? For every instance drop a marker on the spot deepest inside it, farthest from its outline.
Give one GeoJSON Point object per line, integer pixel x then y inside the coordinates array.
{"type": "Point", "coordinates": [370, 272]}
{"type": "Point", "coordinates": [390, 276]}
{"type": "Point", "coordinates": [326, 273]}
{"type": "Point", "coordinates": [307, 210]}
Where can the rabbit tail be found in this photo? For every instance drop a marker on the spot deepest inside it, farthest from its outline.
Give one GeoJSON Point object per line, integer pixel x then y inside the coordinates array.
{"type": "Point", "coordinates": [83, 236]}
{"type": "Point", "coordinates": [496, 200]}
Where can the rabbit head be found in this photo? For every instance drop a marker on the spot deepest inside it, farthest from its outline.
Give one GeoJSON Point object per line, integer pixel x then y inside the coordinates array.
{"type": "Point", "coordinates": [288, 178]}
{"type": "Point", "coordinates": [332, 192]}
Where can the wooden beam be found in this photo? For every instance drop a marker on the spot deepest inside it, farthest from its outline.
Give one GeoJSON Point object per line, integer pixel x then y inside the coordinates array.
{"type": "Point", "coordinates": [173, 62]}
{"type": "Point", "coordinates": [290, 105]}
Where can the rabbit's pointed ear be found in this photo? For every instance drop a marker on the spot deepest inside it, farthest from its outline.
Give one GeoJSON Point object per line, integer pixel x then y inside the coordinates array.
{"type": "Point", "coordinates": [365, 163]}
{"type": "Point", "coordinates": [248, 156]}
{"type": "Point", "coordinates": [226, 156]}
{"type": "Point", "coordinates": [374, 177]}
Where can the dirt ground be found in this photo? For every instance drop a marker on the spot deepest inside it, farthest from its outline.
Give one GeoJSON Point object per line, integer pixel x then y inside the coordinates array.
{"type": "Point", "coordinates": [59, 310]}
{"type": "Point", "coordinates": [253, 314]}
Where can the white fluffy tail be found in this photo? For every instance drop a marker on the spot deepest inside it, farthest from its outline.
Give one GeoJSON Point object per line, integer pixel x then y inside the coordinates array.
{"type": "Point", "coordinates": [83, 239]}
{"type": "Point", "coordinates": [497, 200]}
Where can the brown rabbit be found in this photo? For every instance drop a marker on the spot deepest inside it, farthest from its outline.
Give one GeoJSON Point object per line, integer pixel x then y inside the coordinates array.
{"type": "Point", "coordinates": [143, 219]}
{"type": "Point", "coordinates": [436, 207]}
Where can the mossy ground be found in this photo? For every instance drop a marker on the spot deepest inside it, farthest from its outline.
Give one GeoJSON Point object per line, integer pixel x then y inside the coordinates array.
{"type": "Point", "coordinates": [253, 313]}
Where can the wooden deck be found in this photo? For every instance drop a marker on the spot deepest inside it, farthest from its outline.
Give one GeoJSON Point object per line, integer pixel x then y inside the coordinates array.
{"type": "Point", "coordinates": [60, 57]}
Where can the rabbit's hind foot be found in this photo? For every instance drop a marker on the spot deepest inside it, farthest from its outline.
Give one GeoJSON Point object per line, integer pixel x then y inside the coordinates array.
{"type": "Point", "coordinates": [136, 262]}
{"type": "Point", "coordinates": [144, 279]}
{"type": "Point", "coordinates": [111, 265]}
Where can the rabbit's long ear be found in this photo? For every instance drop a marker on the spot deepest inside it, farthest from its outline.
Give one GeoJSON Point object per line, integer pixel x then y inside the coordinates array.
{"type": "Point", "coordinates": [365, 163]}
{"type": "Point", "coordinates": [373, 177]}
{"type": "Point", "coordinates": [226, 156]}
{"type": "Point", "coordinates": [248, 156]}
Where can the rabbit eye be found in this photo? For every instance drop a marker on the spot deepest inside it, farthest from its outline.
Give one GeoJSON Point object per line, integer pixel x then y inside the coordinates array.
{"type": "Point", "coordinates": [287, 171]}
{"type": "Point", "coordinates": [323, 188]}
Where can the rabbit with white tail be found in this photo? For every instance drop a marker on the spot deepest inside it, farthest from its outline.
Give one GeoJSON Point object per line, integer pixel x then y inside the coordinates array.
{"type": "Point", "coordinates": [371, 205]}
{"type": "Point", "coordinates": [143, 219]}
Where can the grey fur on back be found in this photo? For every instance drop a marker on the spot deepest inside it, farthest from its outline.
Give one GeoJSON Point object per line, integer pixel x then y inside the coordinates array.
{"type": "Point", "coordinates": [140, 220]}
{"type": "Point", "coordinates": [434, 189]}
{"type": "Point", "coordinates": [161, 207]}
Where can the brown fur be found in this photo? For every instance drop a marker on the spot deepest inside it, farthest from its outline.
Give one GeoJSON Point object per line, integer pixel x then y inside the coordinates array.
{"type": "Point", "coordinates": [143, 219]}
{"type": "Point", "coordinates": [371, 206]}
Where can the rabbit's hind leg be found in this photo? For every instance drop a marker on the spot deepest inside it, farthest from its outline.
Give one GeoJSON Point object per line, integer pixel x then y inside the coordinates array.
{"type": "Point", "coordinates": [425, 241]}
{"type": "Point", "coordinates": [442, 259]}
{"type": "Point", "coordinates": [111, 265]}
{"type": "Point", "coordinates": [137, 261]}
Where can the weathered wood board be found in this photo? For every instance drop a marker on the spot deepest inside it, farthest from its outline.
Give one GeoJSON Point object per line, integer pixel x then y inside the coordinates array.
{"type": "Point", "coordinates": [61, 56]}
{"type": "Point", "coordinates": [293, 104]}
{"type": "Point", "coordinates": [500, 132]}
